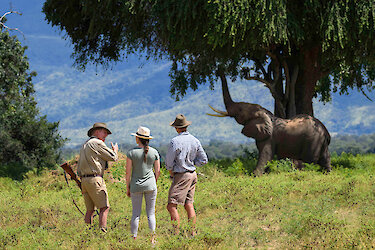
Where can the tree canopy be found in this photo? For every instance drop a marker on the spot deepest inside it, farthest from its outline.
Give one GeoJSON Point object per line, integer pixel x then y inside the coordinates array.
{"type": "Point", "coordinates": [298, 49]}
{"type": "Point", "coordinates": [28, 140]}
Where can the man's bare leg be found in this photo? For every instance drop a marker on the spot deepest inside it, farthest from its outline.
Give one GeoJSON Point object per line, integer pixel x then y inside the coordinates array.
{"type": "Point", "coordinates": [189, 207]}
{"type": "Point", "coordinates": [175, 217]}
{"type": "Point", "coordinates": [103, 214]}
{"type": "Point", "coordinates": [88, 216]}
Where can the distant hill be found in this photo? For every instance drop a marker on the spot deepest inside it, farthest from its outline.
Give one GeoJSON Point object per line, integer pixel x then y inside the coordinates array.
{"type": "Point", "coordinates": [136, 92]}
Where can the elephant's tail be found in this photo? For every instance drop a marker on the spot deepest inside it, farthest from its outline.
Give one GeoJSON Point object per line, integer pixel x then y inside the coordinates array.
{"type": "Point", "coordinates": [327, 139]}
{"type": "Point", "coordinates": [327, 136]}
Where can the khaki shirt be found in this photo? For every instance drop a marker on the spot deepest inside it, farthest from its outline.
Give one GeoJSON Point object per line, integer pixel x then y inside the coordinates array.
{"type": "Point", "coordinates": [93, 157]}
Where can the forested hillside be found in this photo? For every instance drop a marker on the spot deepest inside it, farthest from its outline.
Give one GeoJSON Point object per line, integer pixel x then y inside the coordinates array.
{"type": "Point", "coordinates": [353, 144]}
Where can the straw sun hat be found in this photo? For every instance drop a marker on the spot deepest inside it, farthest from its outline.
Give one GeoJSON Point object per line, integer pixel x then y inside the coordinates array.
{"type": "Point", "coordinates": [143, 133]}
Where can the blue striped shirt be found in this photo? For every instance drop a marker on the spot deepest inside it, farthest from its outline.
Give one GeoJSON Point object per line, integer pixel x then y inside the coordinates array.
{"type": "Point", "coordinates": [184, 153]}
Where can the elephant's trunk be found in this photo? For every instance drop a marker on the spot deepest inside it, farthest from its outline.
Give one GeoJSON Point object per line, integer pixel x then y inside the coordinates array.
{"type": "Point", "coordinates": [228, 102]}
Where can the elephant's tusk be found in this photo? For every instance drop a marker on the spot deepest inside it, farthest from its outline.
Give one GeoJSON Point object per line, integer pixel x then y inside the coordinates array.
{"type": "Point", "coordinates": [223, 113]}
{"type": "Point", "coordinates": [216, 115]}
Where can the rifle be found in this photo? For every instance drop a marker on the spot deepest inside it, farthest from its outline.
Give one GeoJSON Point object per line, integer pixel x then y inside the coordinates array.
{"type": "Point", "coordinates": [68, 169]}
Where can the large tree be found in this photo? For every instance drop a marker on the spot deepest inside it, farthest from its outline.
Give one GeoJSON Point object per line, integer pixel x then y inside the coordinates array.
{"type": "Point", "coordinates": [28, 140]}
{"type": "Point", "coordinates": [298, 49]}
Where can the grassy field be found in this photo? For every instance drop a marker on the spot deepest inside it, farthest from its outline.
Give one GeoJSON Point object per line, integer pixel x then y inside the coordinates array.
{"type": "Point", "coordinates": [283, 209]}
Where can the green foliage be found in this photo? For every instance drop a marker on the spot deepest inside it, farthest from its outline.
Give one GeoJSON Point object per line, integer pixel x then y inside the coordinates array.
{"type": "Point", "coordinates": [15, 170]}
{"type": "Point", "coordinates": [347, 160]}
{"type": "Point", "coordinates": [312, 167]}
{"type": "Point", "coordinates": [287, 165]}
{"type": "Point", "coordinates": [220, 149]}
{"type": "Point", "coordinates": [237, 166]}
{"type": "Point", "coordinates": [280, 166]}
{"type": "Point", "coordinates": [28, 140]}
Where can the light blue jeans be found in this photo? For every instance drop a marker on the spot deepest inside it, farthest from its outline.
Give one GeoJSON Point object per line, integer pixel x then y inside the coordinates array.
{"type": "Point", "coordinates": [150, 198]}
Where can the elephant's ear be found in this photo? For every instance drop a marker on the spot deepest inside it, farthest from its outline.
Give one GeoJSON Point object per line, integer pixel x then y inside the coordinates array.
{"type": "Point", "coordinates": [259, 128]}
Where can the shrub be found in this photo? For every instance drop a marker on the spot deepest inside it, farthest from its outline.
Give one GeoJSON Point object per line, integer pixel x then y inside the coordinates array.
{"type": "Point", "coordinates": [280, 166]}
{"type": "Point", "coordinates": [347, 160]}
{"type": "Point", "coordinates": [236, 168]}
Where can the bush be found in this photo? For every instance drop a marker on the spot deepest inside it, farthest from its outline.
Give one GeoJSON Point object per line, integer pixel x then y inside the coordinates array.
{"type": "Point", "coordinates": [280, 166]}
{"type": "Point", "coordinates": [347, 160]}
{"type": "Point", "coordinates": [239, 165]}
{"type": "Point", "coordinates": [236, 168]}
{"type": "Point", "coordinates": [16, 170]}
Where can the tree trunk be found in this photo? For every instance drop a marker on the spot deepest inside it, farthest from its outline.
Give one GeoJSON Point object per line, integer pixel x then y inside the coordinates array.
{"type": "Point", "coordinates": [291, 104]}
{"type": "Point", "coordinates": [310, 73]}
{"type": "Point", "coordinates": [304, 94]}
{"type": "Point", "coordinates": [280, 92]}
{"type": "Point", "coordinates": [303, 76]}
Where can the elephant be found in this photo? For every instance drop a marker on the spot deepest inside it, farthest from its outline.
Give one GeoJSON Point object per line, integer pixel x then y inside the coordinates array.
{"type": "Point", "coordinates": [302, 138]}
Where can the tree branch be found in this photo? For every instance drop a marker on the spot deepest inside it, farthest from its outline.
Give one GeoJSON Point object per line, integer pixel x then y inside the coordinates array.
{"type": "Point", "coordinates": [276, 61]}
{"type": "Point", "coordinates": [273, 93]}
{"type": "Point", "coordinates": [363, 92]}
{"type": "Point", "coordinates": [268, 85]}
{"type": "Point", "coordinates": [259, 65]}
{"type": "Point", "coordinates": [276, 75]}
{"type": "Point", "coordinates": [2, 24]}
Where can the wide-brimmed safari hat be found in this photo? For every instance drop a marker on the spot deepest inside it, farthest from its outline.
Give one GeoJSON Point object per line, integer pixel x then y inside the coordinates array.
{"type": "Point", "coordinates": [180, 122]}
{"type": "Point", "coordinates": [143, 132]}
{"type": "Point", "coordinates": [98, 125]}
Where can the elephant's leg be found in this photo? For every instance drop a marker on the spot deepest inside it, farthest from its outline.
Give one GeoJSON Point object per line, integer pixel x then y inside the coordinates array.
{"type": "Point", "coordinates": [298, 164]}
{"type": "Point", "coordinates": [312, 150]}
{"type": "Point", "coordinates": [325, 159]}
{"type": "Point", "coordinates": [265, 155]}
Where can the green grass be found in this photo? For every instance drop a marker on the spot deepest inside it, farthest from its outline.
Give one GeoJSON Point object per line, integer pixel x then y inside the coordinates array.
{"type": "Point", "coordinates": [283, 209]}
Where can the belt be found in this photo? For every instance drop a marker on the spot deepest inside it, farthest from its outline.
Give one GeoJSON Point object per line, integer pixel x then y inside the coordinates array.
{"type": "Point", "coordinates": [187, 171]}
{"type": "Point", "coordinates": [91, 175]}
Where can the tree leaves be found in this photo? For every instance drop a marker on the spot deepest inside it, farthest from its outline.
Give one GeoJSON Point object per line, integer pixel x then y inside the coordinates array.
{"type": "Point", "coordinates": [201, 35]}
{"type": "Point", "coordinates": [28, 140]}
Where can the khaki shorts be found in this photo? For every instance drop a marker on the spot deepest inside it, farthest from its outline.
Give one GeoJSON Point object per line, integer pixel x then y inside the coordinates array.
{"type": "Point", "coordinates": [94, 192]}
{"type": "Point", "coordinates": [183, 188]}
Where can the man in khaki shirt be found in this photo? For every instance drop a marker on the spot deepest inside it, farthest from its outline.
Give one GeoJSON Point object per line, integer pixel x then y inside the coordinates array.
{"type": "Point", "coordinates": [93, 158]}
